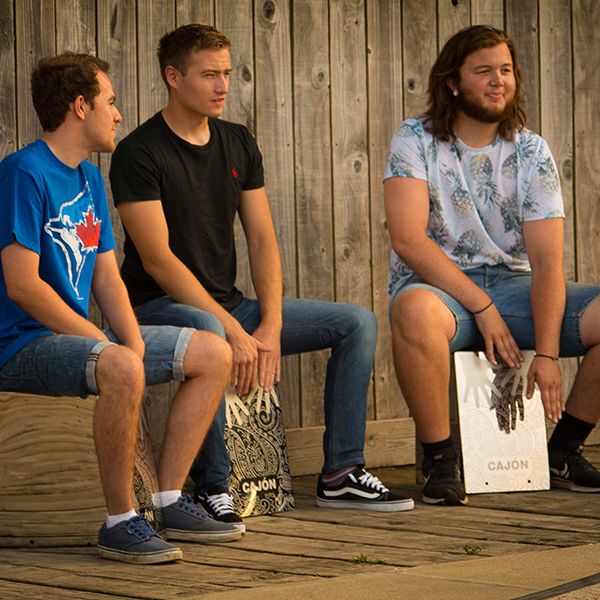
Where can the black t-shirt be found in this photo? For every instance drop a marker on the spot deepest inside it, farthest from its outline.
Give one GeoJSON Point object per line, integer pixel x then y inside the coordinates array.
{"type": "Point", "coordinates": [199, 187]}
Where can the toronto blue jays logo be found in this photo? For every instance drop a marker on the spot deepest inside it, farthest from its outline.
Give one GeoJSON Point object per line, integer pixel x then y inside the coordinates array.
{"type": "Point", "coordinates": [76, 230]}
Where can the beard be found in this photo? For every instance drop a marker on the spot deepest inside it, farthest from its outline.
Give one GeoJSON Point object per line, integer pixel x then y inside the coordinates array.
{"type": "Point", "coordinates": [480, 113]}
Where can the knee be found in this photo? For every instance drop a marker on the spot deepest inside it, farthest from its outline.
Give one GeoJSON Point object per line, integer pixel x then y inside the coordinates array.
{"type": "Point", "coordinates": [119, 368]}
{"type": "Point", "coordinates": [419, 317]}
{"type": "Point", "coordinates": [362, 320]}
{"type": "Point", "coordinates": [208, 354]}
{"type": "Point", "coordinates": [204, 321]}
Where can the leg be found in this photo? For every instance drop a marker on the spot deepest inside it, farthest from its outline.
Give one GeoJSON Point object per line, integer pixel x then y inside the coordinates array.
{"type": "Point", "coordinates": [569, 469]}
{"type": "Point", "coordinates": [202, 362]}
{"type": "Point", "coordinates": [63, 365]}
{"type": "Point", "coordinates": [211, 466]}
{"type": "Point", "coordinates": [421, 360]}
{"type": "Point", "coordinates": [207, 366]}
{"type": "Point", "coordinates": [350, 332]}
{"type": "Point", "coordinates": [66, 365]}
{"type": "Point", "coordinates": [120, 379]}
{"type": "Point", "coordinates": [584, 400]}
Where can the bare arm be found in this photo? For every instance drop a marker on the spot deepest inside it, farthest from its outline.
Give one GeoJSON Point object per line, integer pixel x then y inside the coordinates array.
{"type": "Point", "coordinates": [265, 269]}
{"type": "Point", "coordinates": [544, 240]}
{"type": "Point", "coordinates": [26, 289]}
{"type": "Point", "coordinates": [111, 296]}
{"type": "Point", "coordinates": [407, 213]}
{"type": "Point", "coordinates": [146, 224]}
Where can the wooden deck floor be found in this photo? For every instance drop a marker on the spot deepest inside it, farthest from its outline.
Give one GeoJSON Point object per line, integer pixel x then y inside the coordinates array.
{"type": "Point", "coordinates": [315, 544]}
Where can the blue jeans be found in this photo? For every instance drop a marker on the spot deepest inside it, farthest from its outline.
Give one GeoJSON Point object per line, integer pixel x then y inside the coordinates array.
{"type": "Point", "coordinates": [65, 365]}
{"type": "Point", "coordinates": [511, 293]}
{"type": "Point", "coordinates": [351, 333]}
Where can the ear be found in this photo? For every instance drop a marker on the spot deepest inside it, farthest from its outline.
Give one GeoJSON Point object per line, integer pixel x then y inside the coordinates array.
{"type": "Point", "coordinates": [451, 84]}
{"type": "Point", "coordinates": [171, 75]}
{"type": "Point", "coordinates": [80, 107]}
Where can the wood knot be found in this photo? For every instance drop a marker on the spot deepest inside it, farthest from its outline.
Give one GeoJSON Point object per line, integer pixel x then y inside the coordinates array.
{"type": "Point", "coordinates": [269, 8]}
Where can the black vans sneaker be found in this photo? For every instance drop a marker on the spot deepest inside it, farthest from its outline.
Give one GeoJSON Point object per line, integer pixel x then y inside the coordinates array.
{"type": "Point", "coordinates": [218, 503]}
{"type": "Point", "coordinates": [363, 491]}
{"type": "Point", "coordinates": [442, 480]}
{"type": "Point", "coordinates": [570, 470]}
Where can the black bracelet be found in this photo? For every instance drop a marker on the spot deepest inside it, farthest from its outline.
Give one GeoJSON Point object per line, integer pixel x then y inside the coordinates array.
{"type": "Point", "coordinates": [536, 355]}
{"type": "Point", "coordinates": [478, 312]}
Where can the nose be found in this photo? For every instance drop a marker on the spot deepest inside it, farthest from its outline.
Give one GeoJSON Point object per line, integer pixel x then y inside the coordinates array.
{"type": "Point", "coordinates": [118, 117]}
{"type": "Point", "coordinates": [497, 78]}
{"type": "Point", "coordinates": [223, 84]}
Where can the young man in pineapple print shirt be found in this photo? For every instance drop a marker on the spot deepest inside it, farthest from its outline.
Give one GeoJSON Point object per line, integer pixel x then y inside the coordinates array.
{"type": "Point", "coordinates": [475, 216]}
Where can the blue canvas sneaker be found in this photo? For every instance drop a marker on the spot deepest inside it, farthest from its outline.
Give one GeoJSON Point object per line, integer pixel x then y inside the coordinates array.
{"type": "Point", "coordinates": [135, 541]}
{"type": "Point", "coordinates": [361, 491]}
{"type": "Point", "coordinates": [184, 520]}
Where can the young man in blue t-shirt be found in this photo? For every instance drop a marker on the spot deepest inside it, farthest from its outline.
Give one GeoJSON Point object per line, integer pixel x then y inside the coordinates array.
{"type": "Point", "coordinates": [56, 247]}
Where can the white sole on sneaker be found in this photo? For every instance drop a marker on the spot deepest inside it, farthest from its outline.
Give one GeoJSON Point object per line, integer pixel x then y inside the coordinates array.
{"type": "Point", "coordinates": [203, 537]}
{"type": "Point", "coordinates": [152, 558]}
{"type": "Point", "coordinates": [396, 506]}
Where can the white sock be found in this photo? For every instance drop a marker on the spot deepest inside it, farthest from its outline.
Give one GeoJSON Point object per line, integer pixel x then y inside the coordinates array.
{"type": "Point", "coordinates": [165, 498]}
{"type": "Point", "coordinates": [112, 520]}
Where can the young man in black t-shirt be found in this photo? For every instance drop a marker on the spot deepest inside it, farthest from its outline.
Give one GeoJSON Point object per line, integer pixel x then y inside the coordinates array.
{"type": "Point", "coordinates": [178, 181]}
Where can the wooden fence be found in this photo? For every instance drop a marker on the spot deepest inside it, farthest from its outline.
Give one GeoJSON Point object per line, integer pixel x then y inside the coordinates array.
{"type": "Point", "coordinates": [323, 85]}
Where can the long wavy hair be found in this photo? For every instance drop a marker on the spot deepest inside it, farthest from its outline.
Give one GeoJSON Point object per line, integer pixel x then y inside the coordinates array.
{"type": "Point", "coordinates": [442, 111]}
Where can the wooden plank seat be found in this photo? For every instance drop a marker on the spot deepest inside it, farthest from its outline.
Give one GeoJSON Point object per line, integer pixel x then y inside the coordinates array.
{"type": "Point", "coordinates": [50, 492]}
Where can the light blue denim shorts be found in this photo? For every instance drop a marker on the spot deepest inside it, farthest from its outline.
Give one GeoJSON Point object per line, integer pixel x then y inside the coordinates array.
{"type": "Point", "coordinates": [65, 365]}
{"type": "Point", "coordinates": [511, 293]}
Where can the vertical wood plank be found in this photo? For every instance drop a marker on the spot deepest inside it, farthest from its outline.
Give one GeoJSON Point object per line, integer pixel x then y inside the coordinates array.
{"type": "Point", "coordinates": [314, 219]}
{"type": "Point", "coordinates": [34, 32]}
{"type": "Point", "coordinates": [117, 45]}
{"type": "Point", "coordinates": [350, 160]}
{"type": "Point", "coordinates": [556, 101]}
{"type": "Point", "coordinates": [419, 43]}
{"type": "Point", "coordinates": [194, 11]}
{"type": "Point", "coordinates": [586, 23]}
{"type": "Point", "coordinates": [76, 26]}
{"type": "Point", "coordinates": [154, 19]}
{"type": "Point", "coordinates": [235, 19]}
{"type": "Point", "coordinates": [275, 135]}
{"type": "Point", "coordinates": [488, 12]}
{"type": "Point", "coordinates": [384, 31]}
{"type": "Point", "coordinates": [522, 26]}
{"type": "Point", "coordinates": [453, 15]}
{"type": "Point", "coordinates": [8, 115]}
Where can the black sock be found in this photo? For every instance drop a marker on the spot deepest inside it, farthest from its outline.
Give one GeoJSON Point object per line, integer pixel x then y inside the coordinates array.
{"type": "Point", "coordinates": [436, 448]}
{"type": "Point", "coordinates": [569, 429]}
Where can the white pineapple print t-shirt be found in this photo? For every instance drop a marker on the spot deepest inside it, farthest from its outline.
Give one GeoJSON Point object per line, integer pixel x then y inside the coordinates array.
{"type": "Point", "coordinates": [478, 197]}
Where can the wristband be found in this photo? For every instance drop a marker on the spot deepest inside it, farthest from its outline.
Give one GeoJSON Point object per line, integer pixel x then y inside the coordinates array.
{"type": "Point", "coordinates": [478, 312]}
{"type": "Point", "coordinates": [536, 355]}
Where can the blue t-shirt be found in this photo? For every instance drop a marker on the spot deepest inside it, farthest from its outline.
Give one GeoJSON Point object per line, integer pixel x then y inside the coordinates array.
{"type": "Point", "coordinates": [61, 214]}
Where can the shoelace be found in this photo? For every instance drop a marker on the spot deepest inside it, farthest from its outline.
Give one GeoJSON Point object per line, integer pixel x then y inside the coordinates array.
{"type": "Point", "coordinates": [371, 481]}
{"type": "Point", "coordinates": [187, 504]}
{"type": "Point", "coordinates": [139, 527]}
{"type": "Point", "coordinates": [220, 504]}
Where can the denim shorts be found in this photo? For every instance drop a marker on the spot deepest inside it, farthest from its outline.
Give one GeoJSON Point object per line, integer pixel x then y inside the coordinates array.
{"type": "Point", "coordinates": [65, 365]}
{"type": "Point", "coordinates": [510, 292]}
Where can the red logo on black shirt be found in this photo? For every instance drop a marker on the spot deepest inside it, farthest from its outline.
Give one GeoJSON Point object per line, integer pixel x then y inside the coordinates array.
{"type": "Point", "coordinates": [234, 172]}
